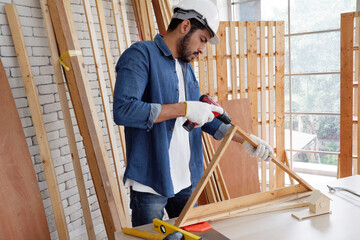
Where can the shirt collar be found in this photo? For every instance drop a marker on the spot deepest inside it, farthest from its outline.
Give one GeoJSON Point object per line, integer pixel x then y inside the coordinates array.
{"type": "Point", "coordinates": [162, 45]}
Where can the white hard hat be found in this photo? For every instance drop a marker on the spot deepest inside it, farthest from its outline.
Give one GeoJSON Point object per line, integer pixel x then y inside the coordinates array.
{"type": "Point", "coordinates": [204, 11]}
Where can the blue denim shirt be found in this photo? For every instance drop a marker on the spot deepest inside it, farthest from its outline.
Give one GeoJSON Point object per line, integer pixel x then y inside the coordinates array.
{"type": "Point", "coordinates": [146, 78]}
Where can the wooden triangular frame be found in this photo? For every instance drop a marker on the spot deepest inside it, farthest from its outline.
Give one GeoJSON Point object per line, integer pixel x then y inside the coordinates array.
{"type": "Point", "coordinates": [192, 215]}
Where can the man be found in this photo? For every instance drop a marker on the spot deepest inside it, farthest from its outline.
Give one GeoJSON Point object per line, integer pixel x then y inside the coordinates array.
{"type": "Point", "coordinates": [155, 93]}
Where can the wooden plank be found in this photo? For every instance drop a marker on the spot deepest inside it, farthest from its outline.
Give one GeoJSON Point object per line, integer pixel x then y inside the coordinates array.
{"type": "Point", "coordinates": [263, 99]}
{"type": "Point", "coordinates": [150, 19]}
{"type": "Point", "coordinates": [241, 59]}
{"type": "Point", "coordinates": [67, 121]}
{"type": "Point", "coordinates": [251, 43]}
{"type": "Point", "coordinates": [117, 19]}
{"type": "Point", "coordinates": [221, 66]}
{"type": "Point", "coordinates": [346, 93]}
{"type": "Point", "coordinates": [239, 169]}
{"type": "Point", "coordinates": [237, 205]}
{"type": "Point", "coordinates": [125, 23]}
{"type": "Point", "coordinates": [201, 68]}
{"type": "Point", "coordinates": [144, 20]}
{"type": "Point", "coordinates": [37, 119]}
{"type": "Point", "coordinates": [219, 178]}
{"type": "Point", "coordinates": [103, 90]}
{"type": "Point", "coordinates": [138, 20]}
{"type": "Point", "coordinates": [160, 16]}
{"type": "Point", "coordinates": [356, 163]}
{"type": "Point", "coordinates": [22, 213]}
{"type": "Point", "coordinates": [233, 61]}
{"type": "Point", "coordinates": [205, 177]}
{"type": "Point", "coordinates": [271, 99]}
{"type": "Point", "coordinates": [88, 122]}
{"type": "Point", "coordinates": [210, 69]}
{"type": "Point", "coordinates": [279, 99]}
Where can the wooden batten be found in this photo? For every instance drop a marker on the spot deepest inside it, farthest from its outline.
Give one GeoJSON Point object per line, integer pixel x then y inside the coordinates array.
{"type": "Point", "coordinates": [346, 95]}
{"type": "Point", "coordinates": [88, 122]}
{"type": "Point", "coordinates": [103, 91]}
{"type": "Point", "coordinates": [67, 121]}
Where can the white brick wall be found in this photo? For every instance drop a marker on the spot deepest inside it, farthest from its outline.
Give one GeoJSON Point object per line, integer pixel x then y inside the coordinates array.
{"type": "Point", "coordinates": [37, 47]}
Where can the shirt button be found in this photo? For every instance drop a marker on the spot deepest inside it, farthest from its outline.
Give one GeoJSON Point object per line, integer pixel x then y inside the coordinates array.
{"type": "Point", "coordinates": [177, 89]}
{"type": "Point", "coordinates": [171, 129]}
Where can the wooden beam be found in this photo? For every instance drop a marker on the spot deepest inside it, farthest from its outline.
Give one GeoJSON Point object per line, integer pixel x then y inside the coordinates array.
{"type": "Point", "coordinates": [125, 24]}
{"type": "Point", "coordinates": [263, 100]}
{"type": "Point", "coordinates": [88, 122]}
{"type": "Point", "coordinates": [38, 121]}
{"type": "Point", "coordinates": [104, 96]}
{"type": "Point", "coordinates": [67, 121]}
{"type": "Point", "coordinates": [271, 100]}
{"type": "Point", "coordinates": [280, 99]}
{"type": "Point", "coordinates": [346, 94]}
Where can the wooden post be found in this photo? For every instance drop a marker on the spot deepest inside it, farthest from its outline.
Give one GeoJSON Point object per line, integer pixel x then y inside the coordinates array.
{"type": "Point", "coordinates": [38, 120]}
{"type": "Point", "coordinates": [279, 99]}
{"type": "Point", "coordinates": [88, 122]}
{"type": "Point", "coordinates": [346, 94]}
{"type": "Point", "coordinates": [67, 121]}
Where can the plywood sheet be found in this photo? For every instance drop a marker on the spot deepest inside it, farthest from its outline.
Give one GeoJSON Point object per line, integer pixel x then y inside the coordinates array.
{"type": "Point", "coordinates": [22, 214]}
{"type": "Point", "coordinates": [240, 171]}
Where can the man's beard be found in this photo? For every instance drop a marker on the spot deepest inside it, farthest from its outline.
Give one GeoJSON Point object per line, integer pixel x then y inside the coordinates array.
{"type": "Point", "coordinates": [182, 48]}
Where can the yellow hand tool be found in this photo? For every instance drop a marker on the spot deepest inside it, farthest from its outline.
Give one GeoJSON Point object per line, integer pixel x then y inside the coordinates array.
{"type": "Point", "coordinates": [167, 229]}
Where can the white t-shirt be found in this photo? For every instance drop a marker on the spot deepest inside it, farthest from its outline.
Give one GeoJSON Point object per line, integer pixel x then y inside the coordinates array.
{"type": "Point", "coordinates": [179, 150]}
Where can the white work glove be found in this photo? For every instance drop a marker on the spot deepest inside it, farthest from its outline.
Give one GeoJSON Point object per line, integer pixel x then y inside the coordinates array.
{"type": "Point", "coordinates": [200, 112]}
{"type": "Point", "coordinates": [262, 151]}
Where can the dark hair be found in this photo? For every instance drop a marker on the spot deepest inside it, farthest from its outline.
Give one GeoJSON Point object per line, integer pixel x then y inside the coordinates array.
{"type": "Point", "coordinates": [195, 24]}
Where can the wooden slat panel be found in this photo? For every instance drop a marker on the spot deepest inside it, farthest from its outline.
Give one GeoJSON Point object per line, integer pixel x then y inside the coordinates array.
{"type": "Point", "coordinates": [251, 42]}
{"type": "Point", "coordinates": [346, 93]}
{"type": "Point", "coordinates": [68, 122]}
{"type": "Point", "coordinates": [22, 213]}
{"type": "Point", "coordinates": [37, 119]}
{"type": "Point", "coordinates": [221, 66]}
{"type": "Point", "coordinates": [271, 100]}
{"type": "Point", "coordinates": [88, 122]}
{"type": "Point", "coordinates": [279, 99]}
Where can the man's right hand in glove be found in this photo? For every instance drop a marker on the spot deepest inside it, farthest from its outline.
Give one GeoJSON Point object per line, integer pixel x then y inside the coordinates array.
{"type": "Point", "coordinates": [201, 113]}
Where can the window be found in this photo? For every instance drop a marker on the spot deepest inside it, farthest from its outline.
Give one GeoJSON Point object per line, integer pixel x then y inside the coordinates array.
{"type": "Point", "coordinates": [312, 76]}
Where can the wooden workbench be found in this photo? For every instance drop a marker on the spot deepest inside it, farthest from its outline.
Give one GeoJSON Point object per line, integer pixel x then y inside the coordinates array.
{"type": "Point", "coordinates": [343, 223]}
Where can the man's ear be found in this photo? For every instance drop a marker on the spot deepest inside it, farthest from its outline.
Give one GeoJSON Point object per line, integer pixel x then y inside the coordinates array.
{"type": "Point", "coordinates": [185, 26]}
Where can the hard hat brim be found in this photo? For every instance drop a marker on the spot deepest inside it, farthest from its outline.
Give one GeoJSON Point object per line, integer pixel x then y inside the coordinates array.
{"type": "Point", "coordinates": [214, 40]}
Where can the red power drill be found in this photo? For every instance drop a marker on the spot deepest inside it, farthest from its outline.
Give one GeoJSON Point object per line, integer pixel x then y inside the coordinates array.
{"type": "Point", "coordinates": [224, 117]}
